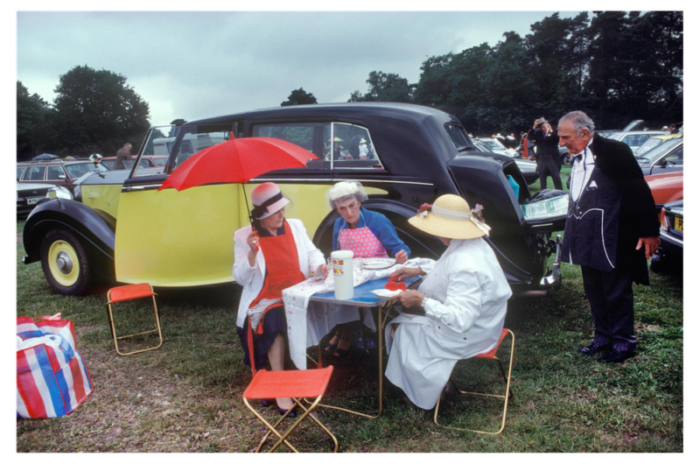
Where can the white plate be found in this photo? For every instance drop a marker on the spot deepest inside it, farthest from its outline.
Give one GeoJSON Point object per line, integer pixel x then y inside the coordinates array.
{"type": "Point", "coordinates": [385, 294]}
{"type": "Point", "coordinates": [378, 263]}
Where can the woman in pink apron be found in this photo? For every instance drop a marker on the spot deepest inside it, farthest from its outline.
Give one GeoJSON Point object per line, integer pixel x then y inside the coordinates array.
{"type": "Point", "coordinates": [367, 234]}
{"type": "Point", "coordinates": [270, 256]}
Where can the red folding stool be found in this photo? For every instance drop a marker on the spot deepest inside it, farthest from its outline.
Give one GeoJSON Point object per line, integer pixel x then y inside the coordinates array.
{"type": "Point", "coordinates": [508, 393]}
{"type": "Point", "coordinates": [311, 383]}
{"type": "Point", "coordinates": [127, 293]}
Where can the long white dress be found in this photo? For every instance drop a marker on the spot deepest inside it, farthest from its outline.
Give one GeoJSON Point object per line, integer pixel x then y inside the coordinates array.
{"type": "Point", "coordinates": [467, 295]}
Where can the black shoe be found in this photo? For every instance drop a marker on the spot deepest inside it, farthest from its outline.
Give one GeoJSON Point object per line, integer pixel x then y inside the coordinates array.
{"type": "Point", "coordinates": [267, 402]}
{"type": "Point", "coordinates": [292, 414]}
{"type": "Point", "coordinates": [593, 349]}
{"type": "Point", "coordinates": [617, 356]}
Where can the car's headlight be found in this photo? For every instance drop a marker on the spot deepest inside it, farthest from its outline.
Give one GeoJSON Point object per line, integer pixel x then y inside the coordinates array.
{"type": "Point", "coordinates": [61, 192]}
{"type": "Point", "coordinates": [77, 193]}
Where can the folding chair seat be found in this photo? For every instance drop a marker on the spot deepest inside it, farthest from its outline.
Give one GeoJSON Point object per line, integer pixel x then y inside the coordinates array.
{"type": "Point", "coordinates": [311, 383]}
{"type": "Point", "coordinates": [128, 293]}
{"type": "Point", "coordinates": [508, 393]}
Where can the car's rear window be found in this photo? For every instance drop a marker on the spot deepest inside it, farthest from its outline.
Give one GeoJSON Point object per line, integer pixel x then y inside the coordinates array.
{"type": "Point", "coordinates": [78, 169]}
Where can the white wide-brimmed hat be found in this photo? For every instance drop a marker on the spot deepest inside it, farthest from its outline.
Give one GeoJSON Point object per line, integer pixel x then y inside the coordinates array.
{"type": "Point", "coordinates": [267, 200]}
{"type": "Point", "coordinates": [450, 217]}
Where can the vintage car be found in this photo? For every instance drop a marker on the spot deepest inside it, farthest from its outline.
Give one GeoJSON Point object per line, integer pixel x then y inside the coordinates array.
{"type": "Point", "coordinates": [665, 158]}
{"type": "Point", "coordinates": [669, 257]}
{"type": "Point", "coordinates": [55, 172]}
{"type": "Point", "coordinates": [121, 227]}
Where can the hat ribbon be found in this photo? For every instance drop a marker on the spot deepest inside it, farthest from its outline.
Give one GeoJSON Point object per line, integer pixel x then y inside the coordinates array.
{"type": "Point", "coordinates": [460, 216]}
{"type": "Point", "coordinates": [260, 210]}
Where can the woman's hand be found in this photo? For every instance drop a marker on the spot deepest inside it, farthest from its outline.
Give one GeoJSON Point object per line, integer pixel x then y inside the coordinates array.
{"type": "Point", "coordinates": [253, 241]}
{"type": "Point", "coordinates": [409, 298]}
{"type": "Point", "coordinates": [406, 273]}
{"type": "Point", "coordinates": [401, 257]}
{"type": "Point", "coordinates": [321, 270]}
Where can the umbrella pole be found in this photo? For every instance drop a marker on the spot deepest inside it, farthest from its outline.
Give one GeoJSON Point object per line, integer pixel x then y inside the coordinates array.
{"type": "Point", "coordinates": [245, 195]}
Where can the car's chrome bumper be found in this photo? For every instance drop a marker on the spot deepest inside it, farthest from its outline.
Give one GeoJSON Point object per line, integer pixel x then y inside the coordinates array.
{"type": "Point", "coordinates": [553, 279]}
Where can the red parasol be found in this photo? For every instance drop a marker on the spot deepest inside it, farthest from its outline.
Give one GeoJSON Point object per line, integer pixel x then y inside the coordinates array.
{"type": "Point", "coordinates": [237, 161]}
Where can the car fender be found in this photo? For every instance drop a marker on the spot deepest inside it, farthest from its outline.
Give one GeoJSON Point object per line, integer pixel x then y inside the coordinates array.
{"type": "Point", "coordinates": [420, 243]}
{"type": "Point", "coordinates": [95, 229]}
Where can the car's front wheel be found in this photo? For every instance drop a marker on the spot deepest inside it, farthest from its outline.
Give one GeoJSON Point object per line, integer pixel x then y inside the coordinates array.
{"type": "Point", "coordinates": [65, 263]}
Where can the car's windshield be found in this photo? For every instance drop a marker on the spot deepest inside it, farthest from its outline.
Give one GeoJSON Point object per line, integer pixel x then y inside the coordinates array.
{"type": "Point", "coordinates": [78, 169]}
{"type": "Point", "coordinates": [651, 155]}
{"type": "Point", "coordinates": [492, 144]}
{"type": "Point", "coordinates": [182, 141]}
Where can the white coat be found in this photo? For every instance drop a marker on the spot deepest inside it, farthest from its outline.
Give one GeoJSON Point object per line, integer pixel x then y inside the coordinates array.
{"type": "Point", "coordinates": [466, 299]}
{"type": "Point", "coordinates": [252, 278]}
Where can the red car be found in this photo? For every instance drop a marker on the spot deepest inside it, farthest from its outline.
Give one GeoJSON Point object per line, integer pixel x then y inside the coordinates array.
{"type": "Point", "coordinates": [665, 187]}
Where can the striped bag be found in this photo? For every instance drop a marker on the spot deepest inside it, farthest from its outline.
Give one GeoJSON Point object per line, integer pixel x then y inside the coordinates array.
{"type": "Point", "coordinates": [52, 378]}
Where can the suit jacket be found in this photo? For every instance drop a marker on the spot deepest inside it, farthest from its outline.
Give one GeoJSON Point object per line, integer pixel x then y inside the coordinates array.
{"type": "Point", "coordinates": [122, 154]}
{"type": "Point", "coordinates": [547, 147]}
{"type": "Point", "coordinates": [637, 212]}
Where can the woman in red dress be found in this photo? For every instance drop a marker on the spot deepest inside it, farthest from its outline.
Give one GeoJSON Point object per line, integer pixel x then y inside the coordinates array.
{"type": "Point", "coordinates": [273, 254]}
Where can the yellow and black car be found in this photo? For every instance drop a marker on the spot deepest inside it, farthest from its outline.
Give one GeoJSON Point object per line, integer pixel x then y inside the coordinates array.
{"type": "Point", "coordinates": [120, 227]}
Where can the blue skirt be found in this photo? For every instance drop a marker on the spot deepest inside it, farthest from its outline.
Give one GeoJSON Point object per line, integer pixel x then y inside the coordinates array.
{"type": "Point", "coordinates": [274, 322]}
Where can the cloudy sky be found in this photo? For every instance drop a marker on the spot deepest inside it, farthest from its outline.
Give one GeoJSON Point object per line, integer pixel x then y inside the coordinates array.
{"type": "Point", "coordinates": [194, 65]}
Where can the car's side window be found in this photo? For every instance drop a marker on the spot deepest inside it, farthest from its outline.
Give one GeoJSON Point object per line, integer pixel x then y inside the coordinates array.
{"type": "Point", "coordinates": [35, 173]}
{"type": "Point", "coordinates": [310, 136]}
{"type": "Point", "coordinates": [55, 173]}
{"type": "Point", "coordinates": [353, 148]}
{"type": "Point", "coordinates": [675, 159]}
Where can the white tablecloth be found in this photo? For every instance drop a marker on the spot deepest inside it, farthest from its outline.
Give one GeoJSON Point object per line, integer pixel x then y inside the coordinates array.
{"type": "Point", "coordinates": [308, 323]}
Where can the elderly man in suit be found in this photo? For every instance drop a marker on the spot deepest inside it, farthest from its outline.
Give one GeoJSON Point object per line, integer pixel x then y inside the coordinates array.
{"type": "Point", "coordinates": [611, 230]}
{"type": "Point", "coordinates": [124, 153]}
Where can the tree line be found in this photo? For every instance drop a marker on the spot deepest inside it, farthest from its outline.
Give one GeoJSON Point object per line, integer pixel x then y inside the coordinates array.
{"type": "Point", "coordinates": [616, 66]}
{"type": "Point", "coordinates": [94, 111]}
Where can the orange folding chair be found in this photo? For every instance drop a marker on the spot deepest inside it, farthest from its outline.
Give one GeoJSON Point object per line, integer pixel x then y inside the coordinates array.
{"type": "Point", "coordinates": [508, 393]}
{"type": "Point", "coordinates": [127, 293]}
{"type": "Point", "coordinates": [310, 383]}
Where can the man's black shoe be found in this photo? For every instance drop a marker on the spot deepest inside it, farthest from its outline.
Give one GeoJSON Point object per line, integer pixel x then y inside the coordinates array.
{"type": "Point", "coordinates": [593, 349]}
{"type": "Point", "coordinates": [617, 356]}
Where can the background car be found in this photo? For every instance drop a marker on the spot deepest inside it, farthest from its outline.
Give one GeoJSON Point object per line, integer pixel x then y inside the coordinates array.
{"type": "Point", "coordinates": [55, 172]}
{"type": "Point", "coordinates": [634, 139]}
{"type": "Point", "coordinates": [183, 238]}
{"type": "Point", "coordinates": [527, 167]}
{"type": "Point", "coordinates": [655, 141]}
{"type": "Point", "coordinates": [665, 188]}
{"type": "Point", "coordinates": [496, 146]}
{"type": "Point", "coordinates": [31, 195]}
{"type": "Point", "coordinates": [665, 158]}
{"type": "Point", "coordinates": [669, 257]}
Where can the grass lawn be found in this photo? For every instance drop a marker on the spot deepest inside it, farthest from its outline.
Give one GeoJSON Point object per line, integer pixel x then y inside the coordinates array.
{"type": "Point", "coordinates": [186, 396]}
{"type": "Point", "coordinates": [564, 174]}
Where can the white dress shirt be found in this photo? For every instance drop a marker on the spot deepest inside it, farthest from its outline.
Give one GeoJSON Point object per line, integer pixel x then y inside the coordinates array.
{"type": "Point", "coordinates": [581, 171]}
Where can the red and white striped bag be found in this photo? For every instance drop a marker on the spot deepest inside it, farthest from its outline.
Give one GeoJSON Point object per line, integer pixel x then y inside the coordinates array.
{"type": "Point", "coordinates": [52, 378]}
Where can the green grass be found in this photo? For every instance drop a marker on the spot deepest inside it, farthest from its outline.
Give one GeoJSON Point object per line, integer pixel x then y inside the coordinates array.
{"type": "Point", "coordinates": [186, 396]}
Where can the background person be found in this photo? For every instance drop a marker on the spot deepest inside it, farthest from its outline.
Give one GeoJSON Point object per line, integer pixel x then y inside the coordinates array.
{"type": "Point", "coordinates": [271, 255]}
{"type": "Point", "coordinates": [123, 153]}
{"type": "Point", "coordinates": [367, 234]}
{"type": "Point", "coordinates": [463, 297]}
{"type": "Point", "coordinates": [547, 152]}
{"type": "Point", "coordinates": [607, 191]}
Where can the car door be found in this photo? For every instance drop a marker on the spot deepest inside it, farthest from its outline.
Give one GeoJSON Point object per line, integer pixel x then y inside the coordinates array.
{"type": "Point", "coordinates": [671, 162]}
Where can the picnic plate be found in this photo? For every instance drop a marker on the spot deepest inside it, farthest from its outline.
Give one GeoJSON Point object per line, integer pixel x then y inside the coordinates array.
{"type": "Point", "coordinates": [385, 294]}
{"type": "Point", "coordinates": [377, 263]}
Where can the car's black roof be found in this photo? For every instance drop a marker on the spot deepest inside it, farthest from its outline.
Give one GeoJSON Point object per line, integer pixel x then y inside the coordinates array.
{"type": "Point", "coordinates": [358, 110]}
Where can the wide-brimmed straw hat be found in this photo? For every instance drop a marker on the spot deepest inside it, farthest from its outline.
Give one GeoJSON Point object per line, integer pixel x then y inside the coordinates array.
{"type": "Point", "coordinates": [450, 217]}
{"type": "Point", "coordinates": [267, 200]}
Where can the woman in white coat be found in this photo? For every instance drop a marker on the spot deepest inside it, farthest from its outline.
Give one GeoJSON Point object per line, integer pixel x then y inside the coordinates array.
{"type": "Point", "coordinates": [463, 298]}
{"type": "Point", "coordinates": [271, 255]}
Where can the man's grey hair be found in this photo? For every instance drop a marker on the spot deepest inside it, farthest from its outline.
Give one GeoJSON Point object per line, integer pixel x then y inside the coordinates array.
{"type": "Point", "coordinates": [580, 121]}
{"type": "Point", "coordinates": [127, 145]}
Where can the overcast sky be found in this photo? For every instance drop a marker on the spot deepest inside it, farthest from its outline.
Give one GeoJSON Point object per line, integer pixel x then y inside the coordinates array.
{"type": "Point", "coordinates": [195, 65]}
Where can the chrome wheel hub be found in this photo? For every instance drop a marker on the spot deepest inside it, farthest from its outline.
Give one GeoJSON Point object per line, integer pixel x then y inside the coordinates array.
{"type": "Point", "coordinates": [64, 263]}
